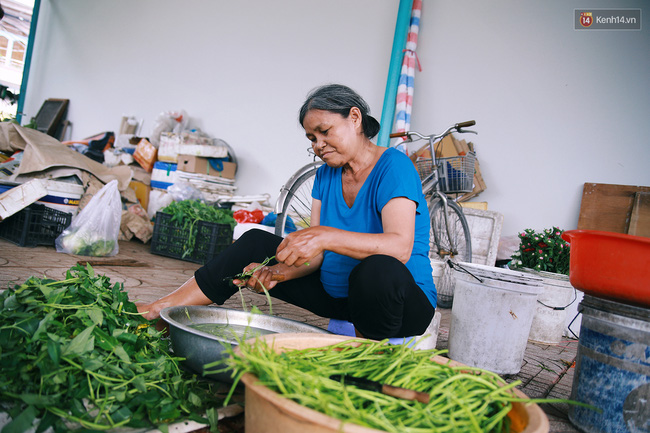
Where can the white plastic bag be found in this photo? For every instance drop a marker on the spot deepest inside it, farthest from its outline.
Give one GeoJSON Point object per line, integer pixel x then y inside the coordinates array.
{"type": "Point", "coordinates": [94, 231]}
{"type": "Point", "coordinates": [169, 121]}
{"type": "Point", "coordinates": [181, 190]}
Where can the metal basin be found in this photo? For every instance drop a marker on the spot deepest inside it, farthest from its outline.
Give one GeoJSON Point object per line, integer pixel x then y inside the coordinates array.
{"type": "Point", "coordinates": [200, 348]}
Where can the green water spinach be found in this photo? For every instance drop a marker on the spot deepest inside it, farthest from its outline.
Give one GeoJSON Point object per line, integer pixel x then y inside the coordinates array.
{"type": "Point", "coordinates": [76, 354]}
{"type": "Point", "coordinates": [463, 399]}
{"type": "Point", "coordinates": [187, 213]}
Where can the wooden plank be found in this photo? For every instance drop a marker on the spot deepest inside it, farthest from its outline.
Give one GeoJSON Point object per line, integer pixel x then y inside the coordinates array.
{"type": "Point", "coordinates": [114, 262]}
{"type": "Point", "coordinates": [607, 207]}
{"type": "Point", "coordinates": [640, 219]}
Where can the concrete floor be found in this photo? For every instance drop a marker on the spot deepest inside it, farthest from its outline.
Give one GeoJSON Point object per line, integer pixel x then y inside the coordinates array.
{"type": "Point", "coordinates": [547, 370]}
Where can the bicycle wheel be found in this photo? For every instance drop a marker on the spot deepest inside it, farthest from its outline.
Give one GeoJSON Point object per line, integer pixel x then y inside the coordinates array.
{"type": "Point", "coordinates": [455, 243]}
{"type": "Point", "coordinates": [457, 248]}
{"type": "Point", "coordinates": [297, 202]}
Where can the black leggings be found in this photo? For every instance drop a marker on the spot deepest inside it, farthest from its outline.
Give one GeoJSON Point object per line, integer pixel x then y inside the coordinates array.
{"type": "Point", "coordinates": [384, 300]}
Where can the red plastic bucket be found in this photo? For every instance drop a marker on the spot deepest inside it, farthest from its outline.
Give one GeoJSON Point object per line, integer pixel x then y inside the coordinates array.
{"type": "Point", "coordinates": [610, 265]}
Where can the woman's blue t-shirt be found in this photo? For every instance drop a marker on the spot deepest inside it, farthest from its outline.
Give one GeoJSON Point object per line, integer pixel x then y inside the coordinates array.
{"type": "Point", "coordinates": [393, 176]}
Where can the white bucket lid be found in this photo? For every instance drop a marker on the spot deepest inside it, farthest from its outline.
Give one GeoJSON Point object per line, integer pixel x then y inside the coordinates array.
{"type": "Point", "coordinates": [467, 272]}
{"type": "Point", "coordinates": [544, 274]}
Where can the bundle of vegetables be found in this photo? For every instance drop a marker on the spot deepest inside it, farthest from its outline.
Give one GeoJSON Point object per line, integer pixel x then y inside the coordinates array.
{"type": "Point", "coordinates": [75, 353]}
{"type": "Point", "coordinates": [461, 398]}
{"type": "Point", "coordinates": [187, 213]}
{"type": "Point", "coordinates": [84, 243]}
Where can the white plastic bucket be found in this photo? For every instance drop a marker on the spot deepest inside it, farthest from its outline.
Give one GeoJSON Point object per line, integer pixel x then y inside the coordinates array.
{"type": "Point", "coordinates": [444, 280]}
{"type": "Point", "coordinates": [437, 267]}
{"type": "Point", "coordinates": [573, 317]}
{"type": "Point", "coordinates": [549, 320]}
{"type": "Point", "coordinates": [491, 318]}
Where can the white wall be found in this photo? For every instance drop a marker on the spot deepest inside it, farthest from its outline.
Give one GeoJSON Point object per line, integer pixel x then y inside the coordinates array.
{"type": "Point", "coordinates": [554, 107]}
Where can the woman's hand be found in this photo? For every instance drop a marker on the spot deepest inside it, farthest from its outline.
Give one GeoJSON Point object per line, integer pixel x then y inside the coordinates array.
{"type": "Point", "coordinates": [299, 247]}
{"type": "Point", "coordinates": [150, 311]}
{"type": "Point", "coordinates": [265, 277]}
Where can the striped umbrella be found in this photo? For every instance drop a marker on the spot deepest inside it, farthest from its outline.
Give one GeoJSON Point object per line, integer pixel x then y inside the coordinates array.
{"type": "Point", "coordinates": [404, 99]}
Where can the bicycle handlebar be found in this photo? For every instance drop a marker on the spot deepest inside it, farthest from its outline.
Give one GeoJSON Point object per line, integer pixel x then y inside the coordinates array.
{"type": "Point", "coordinates": [466, 124]}
{"type": "Point", "coordinates": [458, 127]}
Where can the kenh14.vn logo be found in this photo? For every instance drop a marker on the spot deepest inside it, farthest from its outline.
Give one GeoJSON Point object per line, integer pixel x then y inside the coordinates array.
{"type": "Point", "coordinates": [586, 19]}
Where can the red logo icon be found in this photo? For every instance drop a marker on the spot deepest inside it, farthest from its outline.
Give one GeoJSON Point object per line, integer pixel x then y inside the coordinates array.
{"type": "Point", "coordinates": [586, 19]}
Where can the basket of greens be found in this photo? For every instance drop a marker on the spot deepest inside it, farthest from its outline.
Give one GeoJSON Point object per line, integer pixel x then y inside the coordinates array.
{"type": "Point", "coordinates": [192, 230]}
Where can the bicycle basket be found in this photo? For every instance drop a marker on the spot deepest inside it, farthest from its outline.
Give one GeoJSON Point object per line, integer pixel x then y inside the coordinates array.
{"type": "Point", "coordinates": [424, 167]}
{"type": "Point", "coordinates": [457, 173]}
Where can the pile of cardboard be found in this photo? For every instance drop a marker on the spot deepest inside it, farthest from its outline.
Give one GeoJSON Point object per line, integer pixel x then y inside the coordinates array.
{"type": "Point", "coordinates": [192, 158]}
{"type": "Point", "coordinates": [450, 147]}
{"type": "Point", "coordinates": [215, 179]}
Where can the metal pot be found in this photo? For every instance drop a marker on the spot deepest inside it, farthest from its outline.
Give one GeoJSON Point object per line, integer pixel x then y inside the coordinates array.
{"type": "Point", "coordinates": [200, 348]}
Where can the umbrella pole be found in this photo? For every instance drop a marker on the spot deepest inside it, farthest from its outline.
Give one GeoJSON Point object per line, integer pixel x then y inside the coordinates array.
{"type": "Point", "coordinates": [397, 53]}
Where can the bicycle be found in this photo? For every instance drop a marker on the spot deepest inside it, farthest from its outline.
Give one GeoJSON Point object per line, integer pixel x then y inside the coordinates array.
{"type": "Point", "coordinates": [449, 236]}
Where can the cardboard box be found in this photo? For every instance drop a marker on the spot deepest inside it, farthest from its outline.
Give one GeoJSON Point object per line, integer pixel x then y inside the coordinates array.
{"type": "Point", "coordinates": [479, 184]}
{"type": "Point", "coordinates": [140, 174]}
{"type": "Point", "coordinates": [201, 165]}
{"type": "Point", "coordinates": [141, 192]}
{"type": "Point", "coordinates": [446, 148]}
{"type": "Point", "coordinates": [480, 205]}
{"type": "Point", "coordinates": [422, 152]}
{"type": "Point", "coordinates": [145, 154]}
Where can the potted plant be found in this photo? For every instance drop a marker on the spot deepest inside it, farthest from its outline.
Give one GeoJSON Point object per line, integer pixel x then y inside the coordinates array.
{"type": "Point", "coordinates": [546, 254]}
{"type": "Point", "coordinates": [542, 251]}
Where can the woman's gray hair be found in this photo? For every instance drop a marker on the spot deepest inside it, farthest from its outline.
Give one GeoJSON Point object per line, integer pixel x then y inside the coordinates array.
{"type": "Point", "coordinates": [337, 98]}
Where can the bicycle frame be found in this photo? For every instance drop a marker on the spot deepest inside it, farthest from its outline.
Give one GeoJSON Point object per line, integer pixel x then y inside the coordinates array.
{"type": "Point", "coordinates": [431, 183]}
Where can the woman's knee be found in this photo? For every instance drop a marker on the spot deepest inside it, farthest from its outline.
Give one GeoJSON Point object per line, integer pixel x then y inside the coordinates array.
{"type": "Point", "coordinates": [377, 276]}
{"type": "Point", "coordinates": [258, 235]}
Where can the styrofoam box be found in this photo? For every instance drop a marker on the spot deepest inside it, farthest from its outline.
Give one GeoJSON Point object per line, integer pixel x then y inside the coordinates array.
{"type": "Point", "coordinates": [172, 145]}
{"type": "Point", "coordinates": [62, 196]}
{"type": "Point", "coordinates": [164, 172]}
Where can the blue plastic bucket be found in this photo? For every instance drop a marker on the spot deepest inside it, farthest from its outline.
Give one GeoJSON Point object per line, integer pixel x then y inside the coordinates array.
{"type": "Point", "coordinates": [612, 368]}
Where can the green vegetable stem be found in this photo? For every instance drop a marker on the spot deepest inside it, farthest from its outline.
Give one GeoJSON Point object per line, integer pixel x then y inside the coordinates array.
{"type": "Point", "coordinates": [75, 353]}
{"type": "Point", "coordinates": [246, 275]}
{"type": "Point", "coordinates": [462, 398]}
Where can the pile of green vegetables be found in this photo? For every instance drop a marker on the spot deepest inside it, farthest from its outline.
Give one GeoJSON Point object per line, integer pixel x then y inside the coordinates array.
{"type": "Point", "coordinates": [76, 354]}
{"type": "Point", "coordinates": [461, 398]}
{"type": "Point", "coordinates": [186, 213]}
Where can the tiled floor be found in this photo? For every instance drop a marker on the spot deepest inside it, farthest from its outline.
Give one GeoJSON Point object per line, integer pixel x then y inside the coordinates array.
{"type": "Point", "coordinates": [547, 371]}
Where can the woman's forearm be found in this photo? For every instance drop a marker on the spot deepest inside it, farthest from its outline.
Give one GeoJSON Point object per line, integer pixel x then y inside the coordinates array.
{"type": "Point", "coordinates": [362, 245]}
{"type": "Point", "coordinates": [293, 272]}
